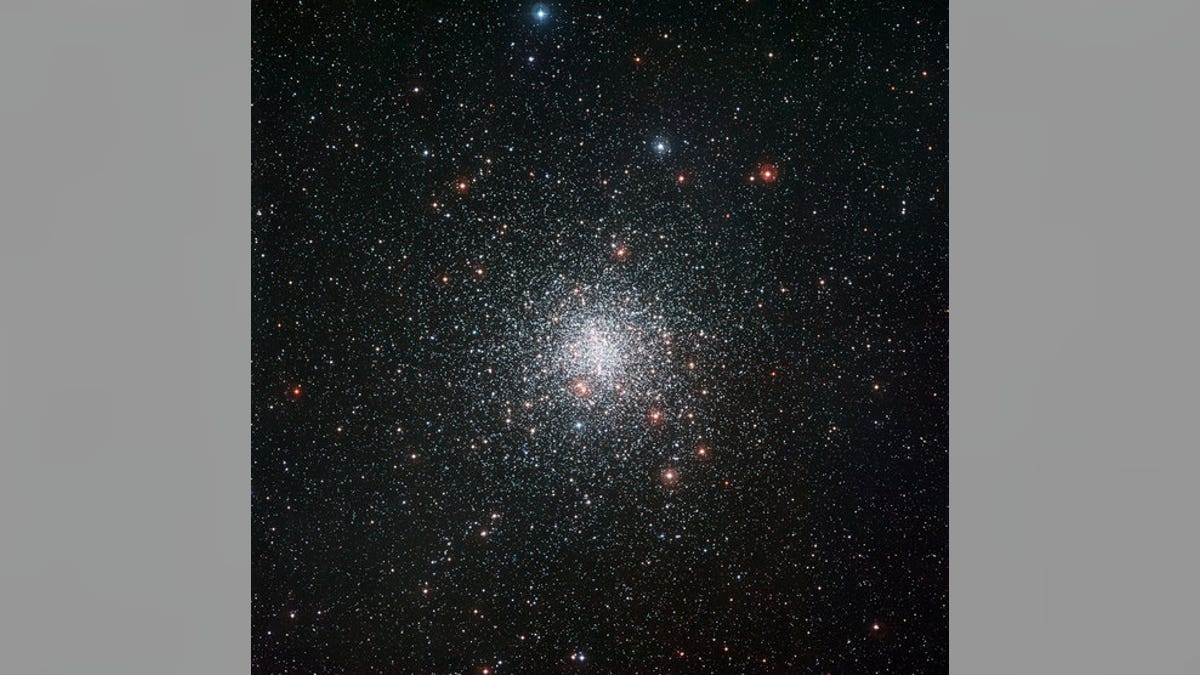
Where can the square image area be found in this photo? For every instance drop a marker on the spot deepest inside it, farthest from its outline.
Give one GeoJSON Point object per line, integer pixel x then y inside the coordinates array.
{"type": "Point", "coordinates": [599, 337]}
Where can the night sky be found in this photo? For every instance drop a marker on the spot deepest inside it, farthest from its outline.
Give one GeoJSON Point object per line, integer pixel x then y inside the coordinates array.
{"type": "Point", "coordinates": [604, 337]}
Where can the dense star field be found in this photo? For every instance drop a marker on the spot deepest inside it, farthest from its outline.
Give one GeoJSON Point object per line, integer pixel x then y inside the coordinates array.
{"type": "Point", "coordinates": [599, 337]}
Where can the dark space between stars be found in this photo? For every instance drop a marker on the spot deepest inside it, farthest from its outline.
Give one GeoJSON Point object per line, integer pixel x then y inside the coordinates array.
{"type": "Point", "coordinates": [599, 337]}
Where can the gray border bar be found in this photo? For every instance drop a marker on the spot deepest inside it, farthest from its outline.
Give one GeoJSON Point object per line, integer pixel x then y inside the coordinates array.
{"type": "Point", "coordinates": [124, 337]}
{"type": "Point", "coordinates": [1073, 337]}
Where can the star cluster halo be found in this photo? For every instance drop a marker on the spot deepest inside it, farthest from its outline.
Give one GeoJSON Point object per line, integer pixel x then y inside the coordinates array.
{"type": "Point", "coordinates": [617, 332]}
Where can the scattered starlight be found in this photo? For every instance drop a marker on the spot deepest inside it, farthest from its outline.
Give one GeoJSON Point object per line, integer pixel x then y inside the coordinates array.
{"type": "Point", "coordinates": [619, 333]}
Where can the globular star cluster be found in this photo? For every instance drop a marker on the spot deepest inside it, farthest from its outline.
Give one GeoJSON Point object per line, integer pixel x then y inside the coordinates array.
{"type": "Point", "coordinates": [603, 339]}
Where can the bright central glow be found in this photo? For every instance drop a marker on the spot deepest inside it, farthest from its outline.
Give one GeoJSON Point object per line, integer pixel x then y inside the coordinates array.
{"type": "Point", "coordinates": [595, 351]}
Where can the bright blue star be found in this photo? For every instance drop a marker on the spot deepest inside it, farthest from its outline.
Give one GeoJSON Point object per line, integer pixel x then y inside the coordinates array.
{"type": "Point", "coordinates": [541, 14]}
